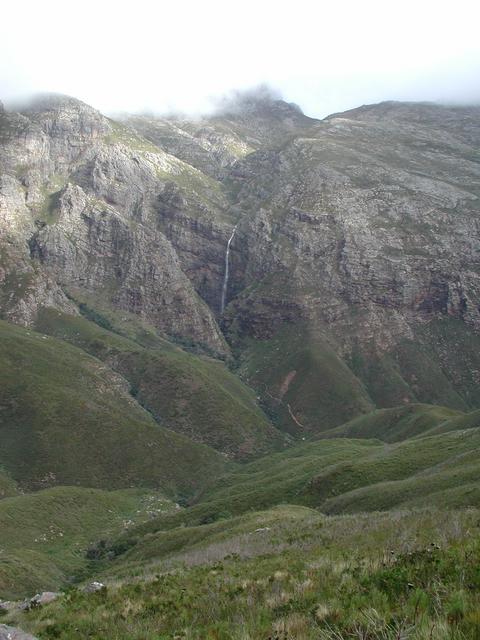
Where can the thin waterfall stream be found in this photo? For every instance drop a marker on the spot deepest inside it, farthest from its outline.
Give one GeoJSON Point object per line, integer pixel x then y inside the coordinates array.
{"type": "Point", "coordinates": [225, 277]}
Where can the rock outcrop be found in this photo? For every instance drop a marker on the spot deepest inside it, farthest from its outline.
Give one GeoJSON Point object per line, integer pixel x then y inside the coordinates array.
{"type": "Point", "coordinates": [355, 258]}
{"type": "Point", "coordinates": [79, 201]}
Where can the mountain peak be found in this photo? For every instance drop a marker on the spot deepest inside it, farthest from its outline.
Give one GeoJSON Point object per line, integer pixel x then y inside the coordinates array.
{"type": "Point", "coordinates": [54, 102]}
{"type": "Point", "coordinates": [259, 102]}
{"type": "Point", "coordinates": [69, 117]}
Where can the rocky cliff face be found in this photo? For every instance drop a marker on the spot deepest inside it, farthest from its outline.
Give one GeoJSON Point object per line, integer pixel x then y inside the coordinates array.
{"type": "Point", "coordinates": [365, 234]}
{"type": "Point", "coordinates": [354, 272]}
{"type": "Point", "coordinates": [80, 205]}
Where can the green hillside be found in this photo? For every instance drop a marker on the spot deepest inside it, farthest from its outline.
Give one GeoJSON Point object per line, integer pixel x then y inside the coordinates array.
{"type": "Point", "coordinates": [271, 480]}
{"type": "Point", "coordinates": [416, 462]}
{"type": "Point", "coordinates": [329, 474]}
{"type": "Point", "coordinates": [467, 421]}
{"type": "Point", "coordinates": [194, 395]}
{"type": "Point", "coordinates": [68, 419]}
{"type": "Point", "coordinates": [8, 487]}
{"type": "Point", "coordinates": [398, 423]}
{"type": "Point", "coordinates": [344, 475]}
{"type": "Point", "coordinates": [438, 366]}
{"type": "Point", "coordinates": [302, 380]}
{"type": "Point", "coordinates": [288, 573]}
{"type": "Point", "coordinates": [44, 535]}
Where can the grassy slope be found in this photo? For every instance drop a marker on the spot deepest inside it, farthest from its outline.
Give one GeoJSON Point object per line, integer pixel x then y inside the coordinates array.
{"type": "Point", "coordinates": [456, 348]}
{"type": "Point", "coordinates": [369, 576]}
{"type": "Point", "coordinates": [217, 539]}
{"type": "Point", "coordinates": [196, 396]}
{"type": "Point", "coordinates": [412, 459]}
{"type": "Point", "coordinates": [324, 392]}
{"type": "Point", "coordinates": [344, 475]}
{"type": "Point", "coordinates": [297, 371]}
{"type": "Point", "coordinates": [409, 421]}
{"type": "Point", "coordinates": [330, 474]}
{"type": "Point", "coordinates": [438, 367]}
{"type": "Point", "coordinates": [274, 479]}
{"type": "Point", "coordinates": [466, 421]}
{"type": "Point", "coordinates": [67, 419]}
{"type": "Point", "coordinates": [44, 535]}
{"type": "Point", "coordinates": [8, 487]}
{"type": "Point", "coordinates": [397, 423]}
{"type": "Point", "coordinates": [454, 484]}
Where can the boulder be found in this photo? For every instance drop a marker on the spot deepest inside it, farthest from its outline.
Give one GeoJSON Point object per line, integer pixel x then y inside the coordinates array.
{"type": "Point", "coordinates": [45, 597]}
{"type": "Point", "coordinates": [94, 587]}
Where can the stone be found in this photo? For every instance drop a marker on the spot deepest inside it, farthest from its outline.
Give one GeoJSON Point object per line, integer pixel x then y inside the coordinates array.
{"type": "Point", "coordinates": [7, 605]}
{"type": "Point", "coordinates": [11, 633]}
{"type": "Point", "coordinates": [43, 598]}
{"type": "Point", "coordinates": [94, 587]}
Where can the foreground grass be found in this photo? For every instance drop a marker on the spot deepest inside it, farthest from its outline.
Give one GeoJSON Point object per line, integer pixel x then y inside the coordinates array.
{"type": "Point", "coordinates": [404, 575]}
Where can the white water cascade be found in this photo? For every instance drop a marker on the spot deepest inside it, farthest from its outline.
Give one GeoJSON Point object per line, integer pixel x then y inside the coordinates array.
{"type": "Point", "coordinates": [225, 277]}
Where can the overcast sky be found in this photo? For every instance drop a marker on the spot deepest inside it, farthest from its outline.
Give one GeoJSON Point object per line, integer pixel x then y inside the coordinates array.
{"type": "Point", "coordinates": [180, 55]}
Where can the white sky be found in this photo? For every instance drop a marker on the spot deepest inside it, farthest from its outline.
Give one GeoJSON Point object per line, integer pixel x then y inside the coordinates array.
{"type": "Point", "coordinates": [163, 55]}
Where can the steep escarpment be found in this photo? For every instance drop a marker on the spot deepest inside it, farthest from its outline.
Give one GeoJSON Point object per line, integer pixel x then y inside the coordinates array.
{"type": "Point", "coordinates": [353, 274]}
{"type": "Point", "coordinates": [92, 218]}
{"type": "Point", "coordinates": [79, 197]}
{"type": "Point", "coordinates": [364, 235]}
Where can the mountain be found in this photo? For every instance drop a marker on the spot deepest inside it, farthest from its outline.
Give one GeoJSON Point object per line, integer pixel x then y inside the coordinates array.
{"type": "Point", "coordinates": [240, 363]}
{"type": "Point", "coordinates": [352, 270]}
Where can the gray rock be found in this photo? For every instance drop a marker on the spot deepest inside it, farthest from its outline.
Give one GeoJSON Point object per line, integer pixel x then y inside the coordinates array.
{"type": "Point", "coordinates": [11, 633]}
{"type": "Point", "coordinates": [94, 587]}
{"type": "Point", "coordinates": [44, 598]}
{"type": "Point", "coordinates": [7, 605]}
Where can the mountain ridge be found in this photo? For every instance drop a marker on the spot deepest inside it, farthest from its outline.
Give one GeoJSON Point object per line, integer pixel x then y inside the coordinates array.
{"type": "Point", "coordinates": [345, 236]}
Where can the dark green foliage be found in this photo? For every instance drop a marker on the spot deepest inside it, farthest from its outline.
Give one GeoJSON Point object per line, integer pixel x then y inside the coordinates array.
{"type": "Point", "coordinates": [94, 316]}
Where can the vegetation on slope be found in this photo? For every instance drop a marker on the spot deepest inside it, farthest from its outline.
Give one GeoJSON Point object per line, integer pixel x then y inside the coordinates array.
{"type": "Point", "coordinates": [413, 459]}
{"type": "Point", "coordinates": [303, 576]}
{"type": "Point", "coordinates": [44, 536]}
{"type": "Point", "coordinates": [398, 423]}
{"type": "Point", "coordinates": [68, 419]}
{"type": "Point", "coordinates": [274, 479]}
{"type": "Point", "coordinates": [8, 487]}
{"type": "Point", "coordinates": [437, 367]}
{"type": "Point", "coordinates": [466, 421]}
{"type": "Point", "coordinates": [302, 380]}
{"type": "Point", "coordinates": [196, 396]}
{"type": "Point", "coordinates": [343, 476]}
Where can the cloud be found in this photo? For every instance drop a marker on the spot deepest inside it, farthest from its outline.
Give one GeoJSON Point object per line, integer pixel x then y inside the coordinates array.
{"type": "Point", "coordinates": [238, 100]}
{"type": "Point", "coordinates": [181, 56]}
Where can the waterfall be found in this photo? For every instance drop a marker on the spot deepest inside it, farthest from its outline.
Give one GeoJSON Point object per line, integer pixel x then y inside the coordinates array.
{"type": "Point", "coordinates": [225, 277]}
